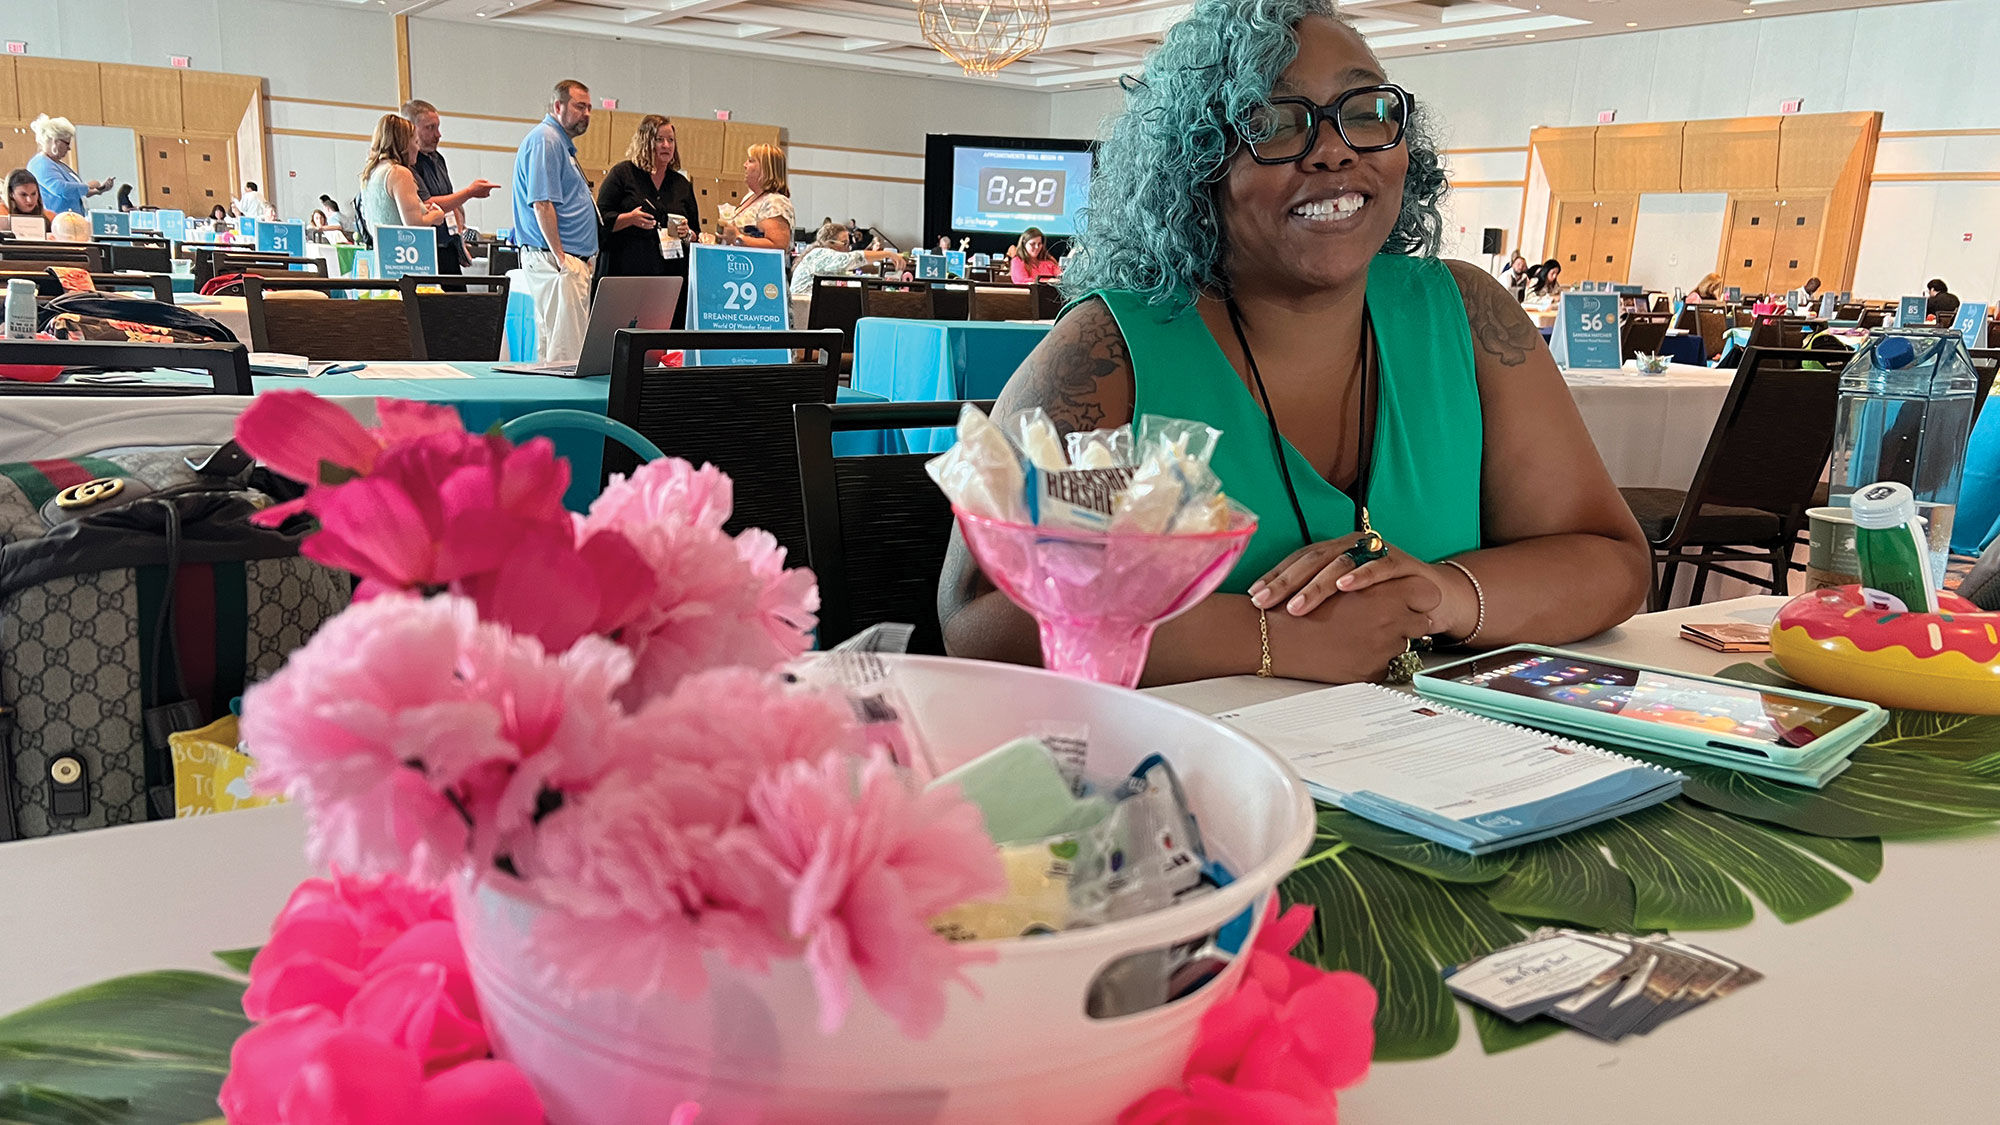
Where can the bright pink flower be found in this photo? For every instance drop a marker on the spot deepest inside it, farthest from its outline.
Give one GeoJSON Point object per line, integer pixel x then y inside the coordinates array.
{"type": "Point", "coordinates": [411, 1007]}
{"type": "Point", "coordinates": [315, 1074]}
{"type": "Point", "coordinates": [329, 932]}
{"type": "Point", "coordinates": [297, 432]}
{"type": "Point", "coordinates": [1276, 1050]}
{"type": "Point", "coordinates": [868, 860]}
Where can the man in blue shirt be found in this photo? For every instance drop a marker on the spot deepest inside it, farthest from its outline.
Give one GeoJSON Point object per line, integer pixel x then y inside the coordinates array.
{"type": "Point", "coordinates": [555, 224]}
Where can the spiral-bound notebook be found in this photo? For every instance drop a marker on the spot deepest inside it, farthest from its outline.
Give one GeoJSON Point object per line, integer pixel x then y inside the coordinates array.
{"type": "Point", "coordinates": [1468, 783]}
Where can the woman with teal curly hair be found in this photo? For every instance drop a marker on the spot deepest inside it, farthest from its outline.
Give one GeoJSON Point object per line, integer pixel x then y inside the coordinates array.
{"type": "Point", "coordinates": [1260, 254]}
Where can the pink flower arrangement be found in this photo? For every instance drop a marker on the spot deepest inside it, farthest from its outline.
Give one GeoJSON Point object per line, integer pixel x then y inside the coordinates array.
{"type": "Point", "coordinates": [1276, 1051]}
{"type": "Point", "coordinates": [527, 696]}
{"type": "Point", "coordinates": [366, 1012]}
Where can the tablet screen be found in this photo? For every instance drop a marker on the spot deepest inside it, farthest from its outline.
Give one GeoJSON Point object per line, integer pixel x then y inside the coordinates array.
{"type": "Point", "coordinates": [1745, 712]}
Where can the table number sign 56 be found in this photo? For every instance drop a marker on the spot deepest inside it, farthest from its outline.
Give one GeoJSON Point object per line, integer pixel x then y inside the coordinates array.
{"type": "Point", "coordinates": [1587, 335]}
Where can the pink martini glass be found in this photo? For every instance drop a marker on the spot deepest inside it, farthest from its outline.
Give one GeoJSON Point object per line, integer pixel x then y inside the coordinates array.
{"type": "Point", "coordinates": [1098, 595]}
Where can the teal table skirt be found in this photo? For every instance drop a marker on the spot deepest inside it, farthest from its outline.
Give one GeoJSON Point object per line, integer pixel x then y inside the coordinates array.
{"type": "Point", "coordinates": [938, 360]}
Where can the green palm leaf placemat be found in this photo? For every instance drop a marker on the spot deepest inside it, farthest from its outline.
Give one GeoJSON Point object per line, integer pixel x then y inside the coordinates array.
{"type": "Point", "coordinates": [1398, 909]}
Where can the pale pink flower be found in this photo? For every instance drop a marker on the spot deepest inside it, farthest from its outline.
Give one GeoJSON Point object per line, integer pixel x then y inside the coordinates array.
{"type": "Point", "coordinates": [868, 860]}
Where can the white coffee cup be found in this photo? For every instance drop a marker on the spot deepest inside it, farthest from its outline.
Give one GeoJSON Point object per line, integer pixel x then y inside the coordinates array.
{"type": "Point", "coordinates": [670, 244]}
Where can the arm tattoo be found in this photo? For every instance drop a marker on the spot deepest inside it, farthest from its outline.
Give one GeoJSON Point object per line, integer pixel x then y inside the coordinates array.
{"type": "Point", "coordinates": [1500, 327]}
{"type": "Point", "coordinates": [1065, 375]}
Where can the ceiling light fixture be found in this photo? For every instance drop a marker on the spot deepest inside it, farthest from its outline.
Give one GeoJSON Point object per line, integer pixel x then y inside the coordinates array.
{"type": "Point", "coordinates": [984, 36]}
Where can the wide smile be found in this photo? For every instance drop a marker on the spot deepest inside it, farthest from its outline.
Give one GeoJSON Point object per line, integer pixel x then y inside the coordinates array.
{"type": "Point", "coordinates": [1332, 211]}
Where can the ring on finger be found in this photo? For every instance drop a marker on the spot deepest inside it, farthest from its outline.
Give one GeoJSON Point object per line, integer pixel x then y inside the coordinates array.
{"type": "Point", "coordinates": [1367, 549]}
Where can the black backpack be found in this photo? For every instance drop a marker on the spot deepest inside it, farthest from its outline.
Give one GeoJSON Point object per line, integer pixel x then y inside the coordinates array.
{"type": "Point", "coordinates": [97, 308]}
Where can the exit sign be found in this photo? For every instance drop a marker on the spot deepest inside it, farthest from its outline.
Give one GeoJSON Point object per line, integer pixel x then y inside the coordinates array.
{"type": "Point", "coordinates": [180, 61]}
{"type": "Point", "coordinates": [1793, 106]}
{"type": "Point", "coordinates": [1606, 116]}
{"type": "Point", "coordinates": [607, 103]}
{"type": "Point", "coordinates": [1968, 236]}
{"type": "Point", "coordinates": [16, 47]}
{"type": "Point", "coordinates": [722, 115]}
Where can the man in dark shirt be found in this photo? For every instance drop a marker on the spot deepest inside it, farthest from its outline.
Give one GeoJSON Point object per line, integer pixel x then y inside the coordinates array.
{"type": "Point", "coordinates": [434, 185]}
{"type": "Point", "coordinates": [1940, 305]}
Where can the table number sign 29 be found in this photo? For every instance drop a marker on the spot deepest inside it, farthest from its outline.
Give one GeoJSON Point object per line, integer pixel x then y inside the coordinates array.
{"type": "Point", "coordinates": [737, 289]}
{"type": "Point", "coordinates": [1587, 335]}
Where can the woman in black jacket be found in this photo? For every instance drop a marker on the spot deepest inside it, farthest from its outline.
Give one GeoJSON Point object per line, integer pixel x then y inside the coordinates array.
{"type": "Point", "coordinates": [634, 204]}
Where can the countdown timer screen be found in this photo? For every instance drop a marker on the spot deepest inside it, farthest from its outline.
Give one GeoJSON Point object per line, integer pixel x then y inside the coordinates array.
{"type": "Point", "coordinates": [1006, 191]}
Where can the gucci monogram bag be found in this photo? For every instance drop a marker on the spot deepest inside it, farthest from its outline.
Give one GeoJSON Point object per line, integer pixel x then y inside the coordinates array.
{"type": "Point", "coordinates": [136, 601]}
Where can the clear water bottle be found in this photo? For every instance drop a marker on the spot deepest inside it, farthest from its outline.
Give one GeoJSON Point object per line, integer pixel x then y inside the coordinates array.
{"type": "Point", "coordinates": [1905, 415]}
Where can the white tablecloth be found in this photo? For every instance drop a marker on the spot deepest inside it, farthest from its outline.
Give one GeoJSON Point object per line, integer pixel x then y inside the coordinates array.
{"type": "Point", "coordinates": [1879, 1010]}
{"type": "Point", "coordinates": [65, 425]}
{"type": "Point", "coordinates": [232, 312]}
{"type": "Point", "coordinates": [1651, 430]}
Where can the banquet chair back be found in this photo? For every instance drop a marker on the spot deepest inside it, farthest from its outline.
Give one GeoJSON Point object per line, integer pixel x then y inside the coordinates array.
{"type": "Point", "coordinates": [146, 257]}
{"type": "Point", "coordinates": [836, 303]}
{"type": "Point", "coordinates": [738, 419]}
{"type": "Point", "coordinates": [1780, 331]}
{"type": "Point", "coordinates": [951, 300]}
{"type": "Point", "coordinates": [1985, 363]}
{"type": "Point", "coordinates": [500, 259]}
{"type": "Point", "coordinates": [88, 255]}
{"type": "Point", "coordinates": [158, 286]}
{"type": "Point", "coordinates": [994, 302]}
{"type": "Point", "coordinates": [1756, 478]}
{"type": "Point", "coordinates": [901, 300]}
{"type": "Point", "coordinates": [227, 365]}
{"type": "Point", "coordinates": [1645, 332]}
{"type": "Point", "coordinates": [466, 325]}
{"type": "Point", "coordinates": [1048, 299]}
{"type": "Point", "coordinates": [1874, 318]}
{"type": "Point", "coordinates": [1712, 325]}
{"type": "Point", "coordinates": [327, 330]}
{"type": "Point", "coordinates": [1849, 312]}
{"type": "Point", "coordinates": [266, 265]}
{"type": "Point", "coordinates": [877, 527]}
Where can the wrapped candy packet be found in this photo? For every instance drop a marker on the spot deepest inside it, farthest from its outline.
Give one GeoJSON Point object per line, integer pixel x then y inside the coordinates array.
{"type": "Point", "coordinates": [855, 669]}
{"type": "Point", "coordinates": [1035, 436]}
{"type": "Point", "coordinates": [981, 472]}
{"type": "Point", "coordinates": [1101, 449]}
{"type": "Point", "coordinates": [1076, 499]}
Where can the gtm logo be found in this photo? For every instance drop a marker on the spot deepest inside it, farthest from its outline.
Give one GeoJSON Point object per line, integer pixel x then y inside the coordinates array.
{"type": "Point", "coordinates": [739, 266]}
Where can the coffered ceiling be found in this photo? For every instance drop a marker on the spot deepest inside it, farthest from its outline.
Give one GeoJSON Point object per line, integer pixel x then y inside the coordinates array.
{"type": "Point", "coordinates": [1090, 42]}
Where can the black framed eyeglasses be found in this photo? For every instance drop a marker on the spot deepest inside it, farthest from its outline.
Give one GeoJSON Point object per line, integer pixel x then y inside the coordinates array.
{"type": "Point", "coordinates": [1369, 119]}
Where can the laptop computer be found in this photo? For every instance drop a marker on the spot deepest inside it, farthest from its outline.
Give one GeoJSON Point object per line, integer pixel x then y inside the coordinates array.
{"type": "Point", "coordinates": [621, 302]}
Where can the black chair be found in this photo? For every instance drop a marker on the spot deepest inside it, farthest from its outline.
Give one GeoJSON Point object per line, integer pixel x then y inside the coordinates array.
{"type": "Point", "coordinates": [951, 300]}
{"type": "Point", "coordinates": [1849, 312]}
{"type": "Point", "coordinates": [500, 259]}
{"type": "Point", "coordinates": [1712, 325]}
{"type": "Point", "coordinates": [311, 325]}
{"type": "Point", "coordinates": [158, 286]}
{"type": "Point", "coordinates": [228, 366]}
{"type": "Point", "coordinates": [836, 303]}
{"type": "Point", "coordinates": [1645, 332]}
{"type": "Point", "coordinates": [1985, 363]}
{"type": "Point", "coordinates": [1778, 330]}
{"type": "Point", "coordinates": [265, 265]}
{"type": "Point", "coordinates": [738, 419]}
{"type": "Point", "coordinates": [1758, 475]}
{"type": "Point", "coordinates": [86, 254]}
{"type": "Point", "coordinates": [1002, 302]}
{"type": "Point", "coordinates": [902, 300]}
{"type": "Point", "coordinates": [1048, 300]}
{"type": "Point", "coordinates": [463, 326]}
{"type": "Point", "coordinates": [877, 527]}
{"type": "Point", "coordinates": [146, 257]}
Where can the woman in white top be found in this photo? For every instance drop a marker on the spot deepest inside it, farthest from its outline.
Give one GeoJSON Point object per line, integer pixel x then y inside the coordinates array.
{"type": "Point", "coordinates": [388, 188]}
{"type": "Point", "coordinates": [765, 217]}
{"type": "Point", "coordinates": [830, 256]}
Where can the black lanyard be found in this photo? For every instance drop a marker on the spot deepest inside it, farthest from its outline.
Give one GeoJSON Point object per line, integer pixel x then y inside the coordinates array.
{"type": "Point", "coordinates": [1365, 423]}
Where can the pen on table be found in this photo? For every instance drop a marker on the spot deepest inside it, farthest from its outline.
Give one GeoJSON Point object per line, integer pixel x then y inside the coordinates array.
{"type": "Point", "coordinates": [343, 368]}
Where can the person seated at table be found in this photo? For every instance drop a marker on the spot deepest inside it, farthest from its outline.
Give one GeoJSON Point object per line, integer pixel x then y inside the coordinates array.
{"type": "Point", "coordinates": [1514, 275]}
{"type": "Point", "coordinates": [125, 203]}
{"type": "Point", "coordinates": [218, 214]}
{"type": "Point", "coordinates": [831, 255]}
{"type": "Point", "coordinates": [1709, 288]}
{"type": "Point", "coordinates": [1260, 256]}
{"type": "Point", "coordinates": [24, 195]}
{"type": "Point", "coordinates": [389, 195]}
{"type": "Point", "coordinates": [1940, 304]}
{"type": "Point", "coordinates": [317, 220]}
{"type": "Point", "coordinates": [1548, 283]}
{"type": "Point", "coordinates": [1031, 260]}
{"type": "Point", "coordinates": [765, 216]}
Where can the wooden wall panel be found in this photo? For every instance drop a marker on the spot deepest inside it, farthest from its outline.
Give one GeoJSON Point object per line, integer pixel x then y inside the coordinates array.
{"type": "Point", "coordinates": [208, 177]}
{"type": "Point", "coordinates": [216, 103]}
{"type": "Point", "coordinates": [738, 136]}
{"type": "Point", "coordinates": [1611, 245]}
{"type": "Point", "coordinates": [1569, 158]}
{"type": "Point", "coordinates": [10, 99]}
{"type": "Point", "coordinates": [1575, 231]}
{"type": "Point", "coordinates": [595, 148]}
{"type": "Point", "coordinates": [1639, 158]}
{"type": "Point", "coordinates": [141, 97]}
{"type": "Point", "coordinates": [17, 145]}
{"type": "Point", "coordinates": [701, 145]}
{"type": "Point", "coordinates": [59, 88]}
{"type": "Point", "coordinates": [1750, 235]}
{"type": "Point", "coordinates": [1834, 152]}
{"type": "Point", "coordinates": [1795, 249]}
{"type": "Point", "coordinates": [1739, 154]}
{"type": "Point", "coordinates": [163, 165]}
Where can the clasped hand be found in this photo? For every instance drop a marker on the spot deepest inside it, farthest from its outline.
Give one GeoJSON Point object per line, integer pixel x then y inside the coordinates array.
{"type": "Point", "coordinates": [1379, 607]}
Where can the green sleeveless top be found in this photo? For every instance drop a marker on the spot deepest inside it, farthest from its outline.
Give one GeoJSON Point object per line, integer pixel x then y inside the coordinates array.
{"type": "Point", "coordinates": [1429, 429]}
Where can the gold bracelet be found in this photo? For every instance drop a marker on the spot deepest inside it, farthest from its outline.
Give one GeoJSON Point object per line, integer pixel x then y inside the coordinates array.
{"type": "Point", "coordinates": [1479, 594]}
{"type": "Point", "coordinates": [1264, 641]}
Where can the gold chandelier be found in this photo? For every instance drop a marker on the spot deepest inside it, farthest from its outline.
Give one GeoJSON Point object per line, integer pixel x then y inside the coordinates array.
{"type": "Point", "coordinates": [983, 36]}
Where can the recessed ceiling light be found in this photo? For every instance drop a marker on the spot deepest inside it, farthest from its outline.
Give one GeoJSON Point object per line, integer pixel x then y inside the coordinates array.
{"type": "Point", "coordinates": [1749, 11]}
{"type": "Point", "coordinates": [1530, 35]}
{"type": "Point", "coordinates": [1631, 23]}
